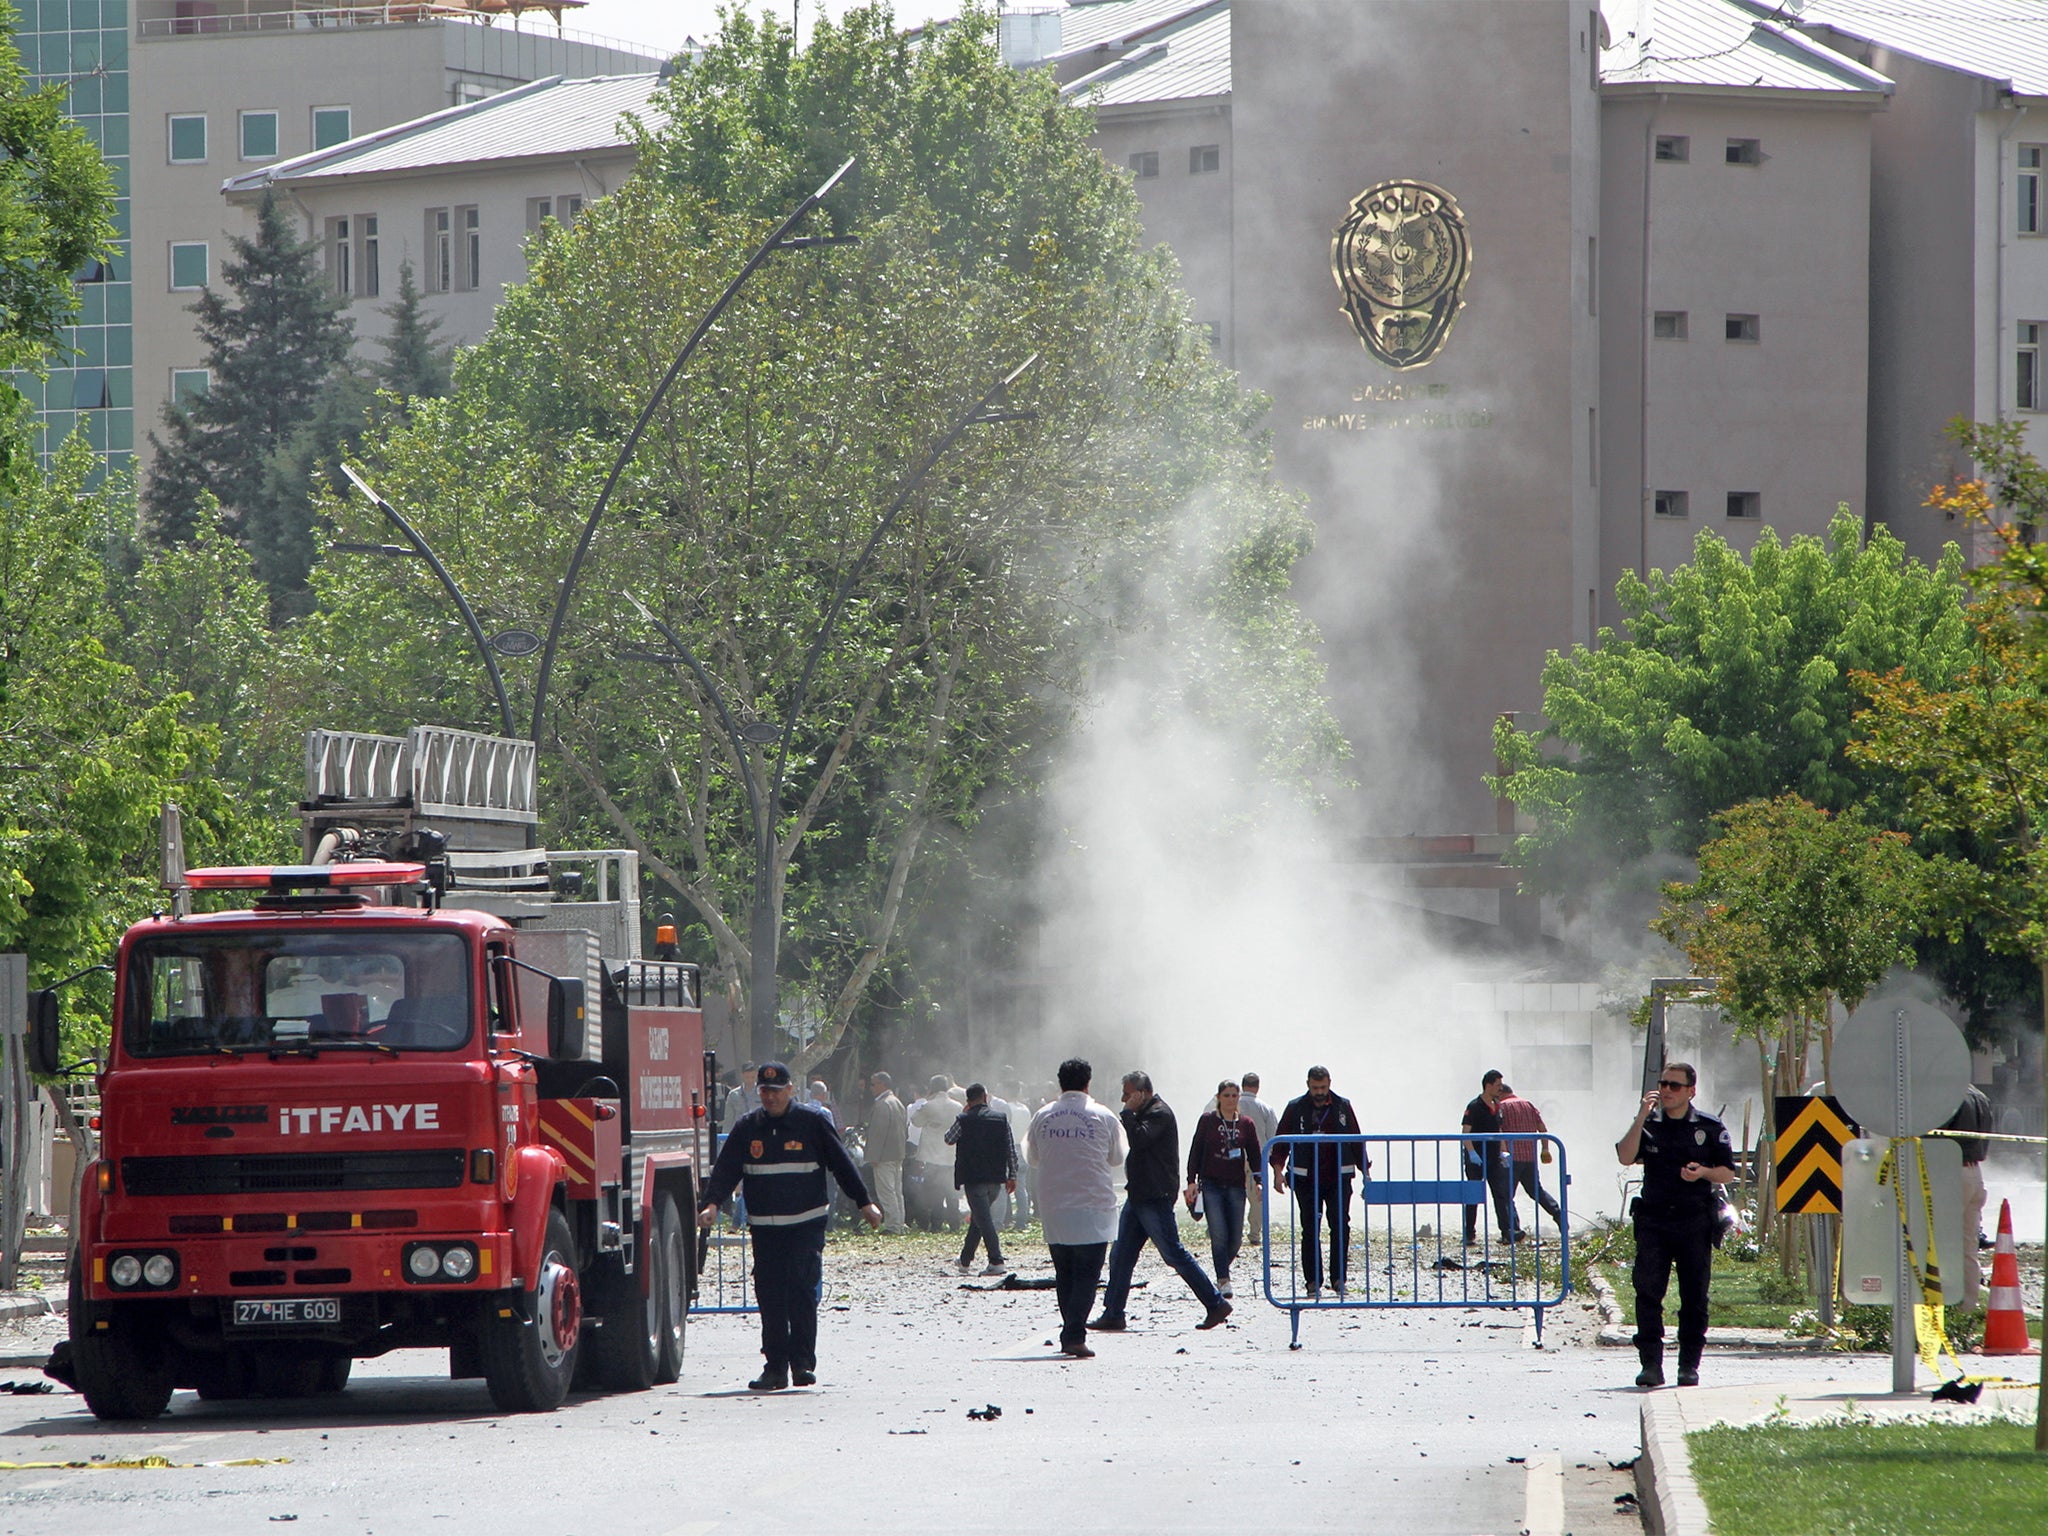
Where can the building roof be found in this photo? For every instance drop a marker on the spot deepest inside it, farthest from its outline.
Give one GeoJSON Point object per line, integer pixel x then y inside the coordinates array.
{"type": "Point", "coordinates": [1721, 45]}
{"type": "Point", "coordinates": [1183, 56]}
{"type": "Point", "coordinates": [1099, 23]}
{"type": "Point", "coordinates": [547, 118]}
{"type": "Point", "coordinates": [2005, 41]}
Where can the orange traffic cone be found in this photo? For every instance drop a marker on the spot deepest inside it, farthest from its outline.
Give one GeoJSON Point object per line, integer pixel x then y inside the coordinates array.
{"type": "Point", "coordinates": [2005, 1322]}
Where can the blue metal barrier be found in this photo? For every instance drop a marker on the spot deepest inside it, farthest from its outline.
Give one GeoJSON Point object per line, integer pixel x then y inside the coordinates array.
{"type": "Point", "coordinates": [722, 1282]}
{"type": "Point", "coordinates": [1400, 1256]}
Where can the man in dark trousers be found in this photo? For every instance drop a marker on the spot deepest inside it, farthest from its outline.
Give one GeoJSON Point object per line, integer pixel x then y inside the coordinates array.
{"type": "Point", "coordinates": [1321, 1175]}
{"type": "Point", "coordinates": [1488, 1159]}
{"type": "Point", "coordinates": [1151, 1181]}
{"type": "Point", "coordinates": [984, 1165]}
{"type": "Point", "coordinates": [1684, 1154]}
{"type": "Point", "coordinates": [781, 1153]}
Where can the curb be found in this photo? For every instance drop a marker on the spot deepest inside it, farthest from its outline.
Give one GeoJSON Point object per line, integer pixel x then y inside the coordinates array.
{"type": "Point", "coordinates": [27, 1304]}
{"type": "Point", "coordinates": [1665, 1490]}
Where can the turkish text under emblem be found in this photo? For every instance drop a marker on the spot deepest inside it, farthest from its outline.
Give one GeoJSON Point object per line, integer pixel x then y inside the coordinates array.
{"type": "Point", "coordinates": [1401, 258]}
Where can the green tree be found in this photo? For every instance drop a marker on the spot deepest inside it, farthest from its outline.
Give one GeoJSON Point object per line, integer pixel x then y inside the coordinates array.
{"type": "Point", "coordinates": [273, 350]}
{"type": "Point", "coordinates": [1973, 750]}
{"type": "Point", "coordinates": [87, 753]}
{"type": "Point", "coordinates": [1732, 683]}
{"type": "Point", "coordinates": [416, 365]}
{"type": "Point", "coordinates": [991, 230]}
{"type": "Point", "coordinates": [1793, 910]}
{"type": "Point", "coordinates": [56, 218]}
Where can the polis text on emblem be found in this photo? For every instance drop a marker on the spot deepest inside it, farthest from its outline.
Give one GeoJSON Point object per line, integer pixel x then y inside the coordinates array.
{"type": "Point", "coordinates": [1401, 258]}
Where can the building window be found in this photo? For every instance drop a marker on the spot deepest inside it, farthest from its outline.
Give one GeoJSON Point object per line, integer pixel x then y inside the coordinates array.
{"type": "Point", "coordinates": [472, 254]}
{"type": "Point", "coordinates": [1675, 148]}
{"type": "Point", "coordinates": [89, 391]}
{"type": "Point", "coordinates": [1592, 275]}
{"type": "Point", "coordinates": [188, 138]}
{"type": "Point", "coordinates": [538, 211]}
{"type": "Point", "coordinates": [467, 91]}
{"type": "Point", "coordinates": [1741, 328]}
{"type": "Point", "coordinates": [2027, 367]}
{"type": "Point", "coordinates": [259, 135]}
{"type": "Point", "coordinates": [1670, 503]}
{"type": "Point", "coordinates": [2027, 189]}
{"type": "Point", "coordinates": [341, 256]}
{"type": "Point", "coordinates": [1745, 152]}
{"type": "Point", "coordinates": [1745, 504]}
{"type": "Point", "coordinates": [331, 126]}
{"type": "Point", "coordinates": [367, 268]}
{"type": "Point", "coordinates": [189, 384]}
{"type": "Point", "coordinates": [569, 209]}
{"type": "Point", "coordinates": [440, 251]}
{"type": "Point", "coordinates": [1204, 158]}
{"type": "Point", "coordinates": [1145, 166]}
{"type": "Point", "coordinates": [1592, 446]}
{"type": "Point", "coordinates": [188, 265]}
{"type": "Point", "coordinates": [1668, 325]}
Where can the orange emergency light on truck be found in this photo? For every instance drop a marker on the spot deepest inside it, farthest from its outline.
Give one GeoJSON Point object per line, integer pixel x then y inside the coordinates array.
{"type": "Point", "coordinates": [421, 1092]}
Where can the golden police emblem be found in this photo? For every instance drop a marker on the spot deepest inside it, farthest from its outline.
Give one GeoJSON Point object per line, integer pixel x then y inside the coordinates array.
{"type": "Point", "coordinates": [1401, 258]}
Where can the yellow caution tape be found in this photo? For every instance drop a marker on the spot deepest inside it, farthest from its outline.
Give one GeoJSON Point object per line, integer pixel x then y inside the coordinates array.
{"type": "Point", "coordinates": [139, 1464]}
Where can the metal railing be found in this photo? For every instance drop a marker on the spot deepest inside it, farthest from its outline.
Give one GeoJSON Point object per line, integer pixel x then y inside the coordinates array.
{"type": "Point", "coordinates": [242, 16]}
{"type": "Point", "coordinates": [1413, 1192]}
{"type": "Point", "coordinates": [439, 769]}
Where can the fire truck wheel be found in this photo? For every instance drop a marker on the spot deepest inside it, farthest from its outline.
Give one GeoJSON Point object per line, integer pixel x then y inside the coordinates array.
{"type": "Point", "coordinates": [624, 1352]}
{"type": "Point", "coordinates": [528, 1365]}
{"type": "Point", "coordinates": [121, 1377]}
{"type": "Point", "coordinates": [334, 1373]}
{"type": "Point", "coordinates": [672, 1274]}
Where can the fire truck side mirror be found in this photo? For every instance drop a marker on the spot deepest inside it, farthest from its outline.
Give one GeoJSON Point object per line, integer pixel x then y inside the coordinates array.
{"type": "Point", "coordinates": [565, 1018]}
{"type": "Point", "coordinates": [45, 1048]}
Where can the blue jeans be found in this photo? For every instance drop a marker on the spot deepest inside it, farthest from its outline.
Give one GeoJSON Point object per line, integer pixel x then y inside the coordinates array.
{"type": "Point", "coordinates": [1223, 1209]}
{"type": "Point", "coordinates": [1151, 1221]}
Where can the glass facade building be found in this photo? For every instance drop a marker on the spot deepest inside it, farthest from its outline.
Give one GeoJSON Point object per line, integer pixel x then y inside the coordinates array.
{"type": "Point", "coordinates": [83, 45]}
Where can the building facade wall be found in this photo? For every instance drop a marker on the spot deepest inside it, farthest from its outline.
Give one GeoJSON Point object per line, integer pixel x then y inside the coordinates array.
{"type": "Point", "coordinates": [383, 75]}
{"type": "Point", "coordinates": [1782, 417]}
{"type": "Point", "coordinates": [1453, 501]}
{"type": "Point", "coordinates": [506, 202]}
{"type": "Point", "coordinates": [1187, 204]}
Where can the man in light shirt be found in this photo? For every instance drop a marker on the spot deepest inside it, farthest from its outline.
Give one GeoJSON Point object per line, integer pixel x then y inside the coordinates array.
{"type": "Point", "coordinates": [1266, 1120]}
{"type": "Point", "coordinates": [1075, 1143]}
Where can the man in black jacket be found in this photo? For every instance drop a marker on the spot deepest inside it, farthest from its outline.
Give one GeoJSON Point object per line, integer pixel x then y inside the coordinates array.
{"type": "Point", "coordinates": [1151, 1180]}
{"type": "Point", "coordinates": [782, 1152]}
{"type": "Point", "coordinates": [984, 1165]}
{"type": "Point", "coordinates": [1322, 1174]}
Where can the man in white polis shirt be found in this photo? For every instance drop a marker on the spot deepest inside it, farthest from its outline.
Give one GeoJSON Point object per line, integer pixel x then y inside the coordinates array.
{"type": "Point", "coordinates": [1075, 1144]}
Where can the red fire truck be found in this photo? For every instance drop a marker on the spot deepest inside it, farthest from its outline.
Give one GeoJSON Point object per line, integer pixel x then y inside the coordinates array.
{"type": "Point", "coordinates": [418, 1092]}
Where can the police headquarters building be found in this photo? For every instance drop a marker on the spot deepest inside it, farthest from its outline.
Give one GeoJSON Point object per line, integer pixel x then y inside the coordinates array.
{"type": "Point", "coordinates": [1541, 289]}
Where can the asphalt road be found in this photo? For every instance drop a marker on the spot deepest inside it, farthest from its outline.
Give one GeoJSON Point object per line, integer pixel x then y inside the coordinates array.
{"type": "Point", "coordinates": [1417, 1423]}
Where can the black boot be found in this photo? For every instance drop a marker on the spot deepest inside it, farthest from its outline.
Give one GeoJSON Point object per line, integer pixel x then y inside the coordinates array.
{"type": "Point", "coordinates": [1688, 1372]}
{"type": "Point", "coordinates": [775, 1378]}
{"type": "Point", "coordinates": [1652, 1373]}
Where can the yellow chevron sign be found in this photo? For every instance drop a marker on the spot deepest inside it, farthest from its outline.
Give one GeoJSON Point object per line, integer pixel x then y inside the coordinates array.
{"type": "Point", "coordinates": [1811, 1133]}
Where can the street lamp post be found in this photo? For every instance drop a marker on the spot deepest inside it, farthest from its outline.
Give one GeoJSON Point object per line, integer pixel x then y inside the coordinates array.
{"type": "Point", "coordinates": [419, 548]}
{"type": "Point", "coordinates": [781, 240]}
{"type": "Point", "coordinates": [764, 795]}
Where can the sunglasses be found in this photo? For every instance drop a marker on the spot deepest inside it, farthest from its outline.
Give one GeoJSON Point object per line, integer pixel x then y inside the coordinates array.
{"type": "Point", "coordinates": [1665, 1082]}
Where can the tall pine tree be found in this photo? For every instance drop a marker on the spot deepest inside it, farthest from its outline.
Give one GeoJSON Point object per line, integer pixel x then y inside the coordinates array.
{"type": "Point", "coordinates": [415, 365]}
{"type": "Point", "coordinates": [273, 351]}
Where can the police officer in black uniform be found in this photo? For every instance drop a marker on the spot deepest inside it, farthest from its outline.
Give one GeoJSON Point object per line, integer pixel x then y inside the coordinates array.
{"type": "Point", "coordinates": [781, 1153]}
{"type": "Point", "coordinates": [1684, 1154]}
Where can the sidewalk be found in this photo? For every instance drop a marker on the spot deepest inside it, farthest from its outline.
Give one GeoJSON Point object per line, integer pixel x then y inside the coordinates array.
{"type": "Point", "coordinates": [15, 1305]}
{"type": "Point", "coordinates": [1671, 1502]}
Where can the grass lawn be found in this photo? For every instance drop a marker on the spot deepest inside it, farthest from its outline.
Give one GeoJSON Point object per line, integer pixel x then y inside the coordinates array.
{"type": "Point", "coordinates": [1871, 1479]}
{"type": "Point", "coordinates": [1736, 1298]}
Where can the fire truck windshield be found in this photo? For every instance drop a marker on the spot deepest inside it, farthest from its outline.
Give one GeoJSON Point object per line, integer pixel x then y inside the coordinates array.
{"type": "Point", "coordinates": [297, 991]}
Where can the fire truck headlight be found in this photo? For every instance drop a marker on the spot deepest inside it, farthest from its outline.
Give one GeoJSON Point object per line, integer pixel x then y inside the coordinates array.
{"type": "Point", "coordinates": [458, 1263]}
{"type": "Point", "coordinates": [424, 1262]}
{"type": "Point", "coordinates": [160, 1269]}
{"type": "Point", "coordinates": [125, 1271]}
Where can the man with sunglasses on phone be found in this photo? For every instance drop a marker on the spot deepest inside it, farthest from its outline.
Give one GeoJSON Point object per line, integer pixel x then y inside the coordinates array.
{"type": "Point", "coordinates": [1684, 1154]}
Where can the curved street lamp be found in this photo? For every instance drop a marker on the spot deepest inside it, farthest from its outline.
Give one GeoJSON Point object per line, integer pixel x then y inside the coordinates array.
{"type": "Point", "coordinates": [781, 240]}
{"type": "Point", "coordinates": [420, 548]}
